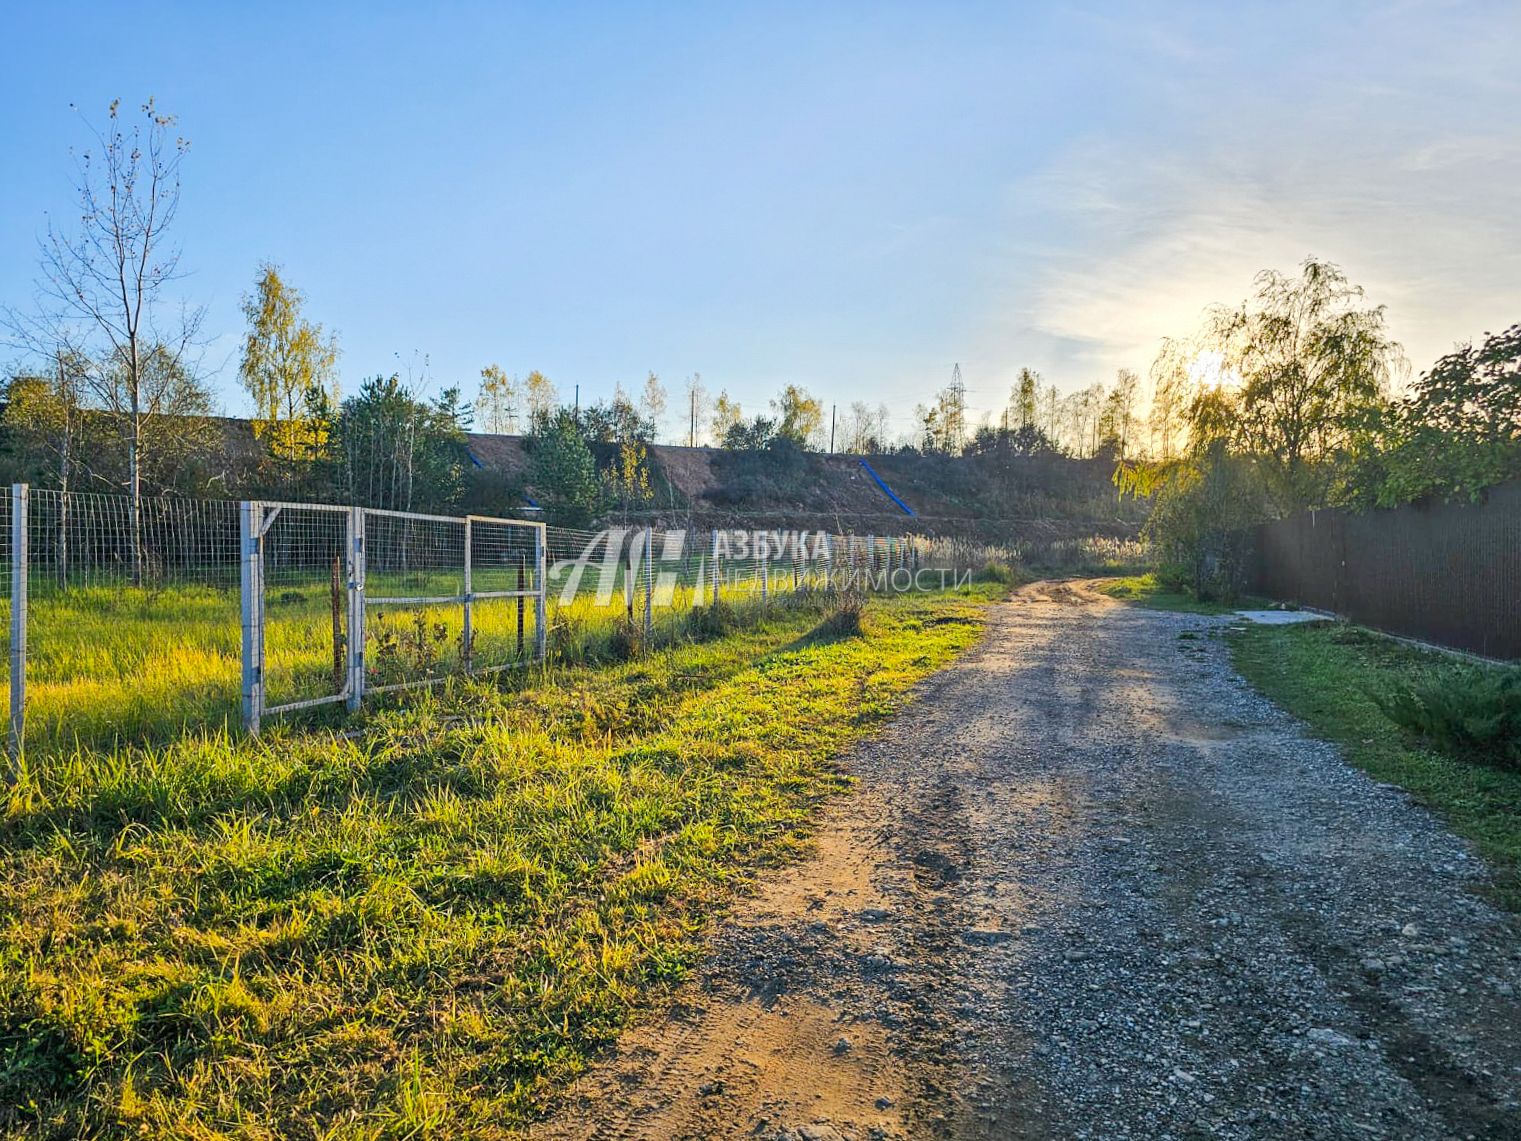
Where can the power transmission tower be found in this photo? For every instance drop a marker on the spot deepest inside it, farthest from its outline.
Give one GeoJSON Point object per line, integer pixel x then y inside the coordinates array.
{"type": "Point", "coordinates": [955, 411]}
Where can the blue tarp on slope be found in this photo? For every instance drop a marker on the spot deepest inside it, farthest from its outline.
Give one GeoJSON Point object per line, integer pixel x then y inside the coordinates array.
{"type": "Point", "coordinates": [887, 491]}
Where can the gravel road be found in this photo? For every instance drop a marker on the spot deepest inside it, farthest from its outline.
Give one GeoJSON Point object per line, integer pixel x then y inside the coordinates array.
{"type": "Point", "coordinates": [1092, 885]}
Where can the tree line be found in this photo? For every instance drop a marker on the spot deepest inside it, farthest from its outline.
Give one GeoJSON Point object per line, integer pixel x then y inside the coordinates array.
{"type": "Point", "coordinates": [1283, 402]}
{"type": "Point", "coordinates": [1291, 401]}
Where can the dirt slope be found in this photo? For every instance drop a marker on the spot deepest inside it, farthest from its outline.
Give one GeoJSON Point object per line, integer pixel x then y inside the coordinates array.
{"type": "Point", "coordinates": [1092, 886]}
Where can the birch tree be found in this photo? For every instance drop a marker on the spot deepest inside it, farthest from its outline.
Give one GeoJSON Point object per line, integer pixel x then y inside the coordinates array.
{"type": "Point", "coordinates": [108, 279]}
{"type": "Point", "coordinates": [497, 404]}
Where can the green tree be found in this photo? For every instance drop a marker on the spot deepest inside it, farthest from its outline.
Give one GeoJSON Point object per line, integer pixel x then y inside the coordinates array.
{"type": "Point", "coordinates": [1026, 397]}
{"type": "Point", "coordinates": [616, 422]}
{"type": "Point", "coordinates": [1313, 363]}
{"type": "Point", "coordinates": [752, 435]}
{"type": "Point", "coordinates": [286, 358]}
{"type": "Point", "coordinates": [1459, 430]}
{"type": "Point", "coordinates": [399, 452]}
{"type": "Point", "coordinates": [562, 470]}
{"type": "Point", "coordinates": [45, 420]}
{"type": "Point", "coordinates": [1202, 503]}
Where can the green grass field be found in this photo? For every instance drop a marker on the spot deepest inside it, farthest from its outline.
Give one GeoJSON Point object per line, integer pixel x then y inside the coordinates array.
{"type": "Point", "coordinates": [1146, 590]}
{"type": "Point", "coordinates": [112, 664]}
{"type": "Point", "coordinates": [422, 927]}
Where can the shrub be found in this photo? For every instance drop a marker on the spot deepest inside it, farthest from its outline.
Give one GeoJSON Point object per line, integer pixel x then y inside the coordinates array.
{"type": "Point", "coordinates": [566, 639]}
{"type": "Point", "coordinates": [1000, 572]}
{"type": "Point", "coordinates": [626, 641]}
{"type": "Point", "coordinates": [1467, 709]}
{"type": "Point", "coordinates": [704, 623]}
{"type": "Point", "coordinates": [844, 619]}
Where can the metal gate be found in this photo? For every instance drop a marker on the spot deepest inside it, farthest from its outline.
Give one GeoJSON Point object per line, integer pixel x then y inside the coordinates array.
{"type": "Point", "coordinates": [343, 601]}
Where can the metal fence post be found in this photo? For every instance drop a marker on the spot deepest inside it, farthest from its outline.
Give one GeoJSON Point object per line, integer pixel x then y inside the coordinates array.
{"type": "Point", "coordinates": [467, 634]}
{"type": "Point", "coordinates": [717, 569]}
{"type": "Point", "coordinates": [356, 608]}
{"type": "Point", "coordinates": [16, 737]}
{"type": "Point", "coordinates": [540, 602]}
{"type": "Point", "coordinates": [764, 555]}
{"type": "Point", "coordinates": [649, 582]}
{"type": "Point", "coordinates": [628, 584]}
{"type": "Point", "coordinates": [521, 600]}
{"type": "Point", "coordinates": [251, 584]}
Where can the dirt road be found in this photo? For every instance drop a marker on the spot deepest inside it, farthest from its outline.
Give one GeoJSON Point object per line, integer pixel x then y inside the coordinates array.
{"type": "Point", "coordinates": [1091, 885]}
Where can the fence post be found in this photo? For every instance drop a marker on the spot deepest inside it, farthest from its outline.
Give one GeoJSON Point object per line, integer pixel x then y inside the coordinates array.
{"type": "Point", "coordinates": [628, 584]}
{"type": "Point", "coordinates": [717, 570]}
{"type": "Point", "coordinates": [764, 555]}
{"type": "Point", "coordinates": [356, 607]}
{"type": "Point", "coordinates": [467, 633]}
{"type": "Point", "coordinates": [522, 601]}
{"type": "Point", "coordinates": [251, 585]}
{"type": "Point", "coordinates": [16, 737]}
{"type": "Point", "coordinates": [540, 601]}
{"type": "Point", "coordinates": [649, 583]}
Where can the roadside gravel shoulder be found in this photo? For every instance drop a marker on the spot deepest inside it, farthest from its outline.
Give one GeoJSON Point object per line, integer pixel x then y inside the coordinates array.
{"type": "Point", "coordinates": [1091, 884]}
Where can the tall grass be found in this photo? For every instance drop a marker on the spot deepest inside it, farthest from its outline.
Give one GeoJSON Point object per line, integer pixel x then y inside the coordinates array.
{"type": "Point", "coordinates": [420, 928]}
{"type": "Point", "coordinates": [113, 664]}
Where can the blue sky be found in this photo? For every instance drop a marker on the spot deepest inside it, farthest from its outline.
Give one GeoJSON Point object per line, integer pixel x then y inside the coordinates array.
{"type": "Point", "coordinates": [849, 197]}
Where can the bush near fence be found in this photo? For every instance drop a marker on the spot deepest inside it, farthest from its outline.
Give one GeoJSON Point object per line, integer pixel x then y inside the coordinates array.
{"type": "Point", "coordinates": [1449, 574]}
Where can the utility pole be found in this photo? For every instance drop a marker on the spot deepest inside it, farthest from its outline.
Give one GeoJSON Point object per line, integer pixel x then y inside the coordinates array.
{"type": "Point", "coordinates": [831, 428]}
{"type": "Point", "coordinates": [578, 402]}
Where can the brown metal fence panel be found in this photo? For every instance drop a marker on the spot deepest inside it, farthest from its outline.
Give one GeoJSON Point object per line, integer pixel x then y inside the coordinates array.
{"type": "Point", "coordinates": [1448, 574]}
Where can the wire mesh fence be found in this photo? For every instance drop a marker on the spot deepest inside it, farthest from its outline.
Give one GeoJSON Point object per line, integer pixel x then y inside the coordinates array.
{"type": "Point", "coordinates": [142, 622]}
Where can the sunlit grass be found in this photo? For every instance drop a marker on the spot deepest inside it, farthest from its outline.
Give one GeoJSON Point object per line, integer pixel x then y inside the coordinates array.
{"type": "Point", "coordinates": [116, 664]}
{"type": "Point", "coordinates": [420, 928]}
{"type": "Point", "coordinates": [1147, 590]}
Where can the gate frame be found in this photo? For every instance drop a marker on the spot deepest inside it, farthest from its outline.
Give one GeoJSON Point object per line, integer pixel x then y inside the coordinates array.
{"type": "Point", "coordinates": [255, 519]}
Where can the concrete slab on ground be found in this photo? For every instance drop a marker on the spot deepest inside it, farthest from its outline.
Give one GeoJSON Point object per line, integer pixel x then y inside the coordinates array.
{"type": "Point", "coordinates": [1281, 617]}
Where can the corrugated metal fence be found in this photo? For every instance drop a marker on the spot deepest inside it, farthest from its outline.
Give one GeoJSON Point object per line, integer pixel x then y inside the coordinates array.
{"type": "Point", "coordinates": [1448, 574]}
